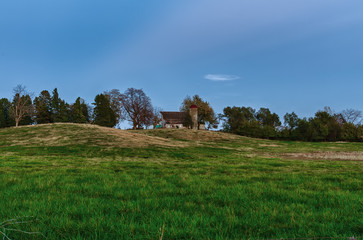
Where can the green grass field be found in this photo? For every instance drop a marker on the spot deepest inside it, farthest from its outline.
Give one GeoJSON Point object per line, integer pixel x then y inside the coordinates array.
{"type": "Point", "coordinates": [71, 181]}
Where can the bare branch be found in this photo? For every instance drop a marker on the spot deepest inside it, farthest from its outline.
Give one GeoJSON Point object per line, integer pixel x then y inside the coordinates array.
{"type": "Point", "coordinates": [352, 116]}
{"type": "Point", "coordinates": [17, 230]}
{"type": "Point", "coordinates": [10, 220]}
{"type": "Point", "coordinates": [4, 235]}
{"type": "Point", "coordinates": [22, 104]}
{"type": "Point", "coordinates": [16, 221]}
{"type": "Point", "coordinates": [162, 232]}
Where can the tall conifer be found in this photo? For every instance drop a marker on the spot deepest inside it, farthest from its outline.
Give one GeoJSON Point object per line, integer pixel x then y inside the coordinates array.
{"type": "Point", "coordinates": [43, 108]}
{"type": "Point", "coordinates": [103, 114]}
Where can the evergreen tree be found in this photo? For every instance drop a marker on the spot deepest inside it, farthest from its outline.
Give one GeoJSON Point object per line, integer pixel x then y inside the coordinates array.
{"type": "Point", "coordinates": [64, 112]}
{"type": "Point", "coordinates": [55, 103]}
{"type": "Point", "coordinates": [43, 108]}
{"type": "Point", "coordinates": [103, 113]}
{"type": "Point", "coordinates": [349, 132]}
{"type": "Point", "coordinates": [5, 117]}
{"type": "Point", "coordinates": [360, 133]}
{"type": "Point", "coordinates": [78, 113]}
{"type": "Point", "coordinates": [60, 109]}
{"type": "Point", "coordinates": [85, 108]}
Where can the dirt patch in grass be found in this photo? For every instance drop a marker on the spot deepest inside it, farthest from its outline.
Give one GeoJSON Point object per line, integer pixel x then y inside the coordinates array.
{"type": "Point", "coordinates": [336, 156]}
{"type": "Point", "coordinates": [268, 145]}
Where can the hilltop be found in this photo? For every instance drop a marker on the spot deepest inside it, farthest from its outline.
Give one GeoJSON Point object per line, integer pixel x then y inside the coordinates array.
{"type": "Point", "coordinates": [65, 134]}
{"type": "Point", "coordinates": [70, 134]}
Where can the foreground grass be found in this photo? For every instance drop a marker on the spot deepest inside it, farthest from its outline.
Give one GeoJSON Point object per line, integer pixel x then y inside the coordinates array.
{"type": "Point", "coordinates": [230, 189]}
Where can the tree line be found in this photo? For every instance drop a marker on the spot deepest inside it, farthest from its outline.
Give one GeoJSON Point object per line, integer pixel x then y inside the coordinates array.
{"type": "Point", "coordinates": [326, 125]}
{"type": "Point", "coordinates": [112, 107]}
{"type": "Point", "coordinates": [108, 109]}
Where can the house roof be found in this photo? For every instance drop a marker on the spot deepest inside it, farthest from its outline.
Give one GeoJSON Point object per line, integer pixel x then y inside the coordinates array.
{"type": "Point", "coordinates": [174, 117]}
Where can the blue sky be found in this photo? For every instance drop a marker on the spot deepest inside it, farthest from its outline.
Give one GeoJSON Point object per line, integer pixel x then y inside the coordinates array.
{"type": "Point", "coordinates": [286, 55]}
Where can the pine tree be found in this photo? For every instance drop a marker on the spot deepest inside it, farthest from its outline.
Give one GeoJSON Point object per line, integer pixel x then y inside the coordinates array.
{"type": "Point", "coordinates": [43, 108]}
{"type": "Point", "coordinates": [103, 114]}
{"type": "Point", "coordinates": [5, 117]}
{"type": "Point", "coordinates": [55, 104]}
{"type": "Point", "coordinates": [78, 113]}
{"type": "Point", "coordinates": [60, 109]}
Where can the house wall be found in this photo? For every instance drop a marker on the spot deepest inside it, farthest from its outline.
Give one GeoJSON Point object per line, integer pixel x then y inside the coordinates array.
{"type": "Point", "coordinates": [174, 126]}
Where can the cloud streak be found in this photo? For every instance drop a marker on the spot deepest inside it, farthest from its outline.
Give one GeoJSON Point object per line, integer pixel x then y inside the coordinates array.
{"type": "Point", "coordinates": [221, 77]}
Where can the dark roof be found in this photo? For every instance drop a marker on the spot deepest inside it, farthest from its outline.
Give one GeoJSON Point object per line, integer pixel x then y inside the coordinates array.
{"type": "Point", "coordinates": [174, 117]}
{"type": "Point", "coordinates": [193, 106]}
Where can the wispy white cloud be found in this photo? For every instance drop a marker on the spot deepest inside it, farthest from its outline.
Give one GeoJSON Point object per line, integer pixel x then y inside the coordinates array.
{"type": "Point", "coordinates": [221, 77]}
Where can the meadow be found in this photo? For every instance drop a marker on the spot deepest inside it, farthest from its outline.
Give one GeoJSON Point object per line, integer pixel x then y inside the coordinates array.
{"type": "Point", "coordinates": [69, 181]}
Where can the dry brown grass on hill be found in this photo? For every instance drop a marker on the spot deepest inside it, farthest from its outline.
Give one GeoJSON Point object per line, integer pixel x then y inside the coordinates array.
{"type": "Point", "coordinates": [62, 134]}
{"type": "Point", "coordinates": [126, 138]}
{"type": "Point", "coordinates": [334, 156]}
{"type": "Point", "coordinates": [68, 134]}
{"type": "Point", "coordinates": [65, 134]}
{"type": "Point", "coordinates": [268, 145]}
{"type": "Point", "coordinates": [191, 135]}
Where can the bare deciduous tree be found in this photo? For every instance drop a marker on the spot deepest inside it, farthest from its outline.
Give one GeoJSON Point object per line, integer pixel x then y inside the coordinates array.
{"type": "Point", "coordinates": [22, 104]}
{"type": "Point", "coordinates": [352, 116]}
{"type": "Point", "coordinates": [136, 107]}
{"type": "Point", "coordinates": [114, 96]}
{"type": "Point", "coordinates": [329, 110]}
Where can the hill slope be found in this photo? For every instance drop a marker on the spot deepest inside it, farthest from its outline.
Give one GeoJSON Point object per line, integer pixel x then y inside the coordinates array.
{"type": "Point", "coordinates": [62, 134]}
{"type": "Point", "coordinates": [74, 181]}
{"type": "Point", "coordinates": [68, 134]}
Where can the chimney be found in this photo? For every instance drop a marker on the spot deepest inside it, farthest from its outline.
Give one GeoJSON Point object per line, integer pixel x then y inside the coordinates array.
{"type": "Point", "coordinates": [193, 111]}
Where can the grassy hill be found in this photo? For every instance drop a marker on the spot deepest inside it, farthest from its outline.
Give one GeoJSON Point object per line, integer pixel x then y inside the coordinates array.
{"type": "Point", "coordinates": [71, 181]}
